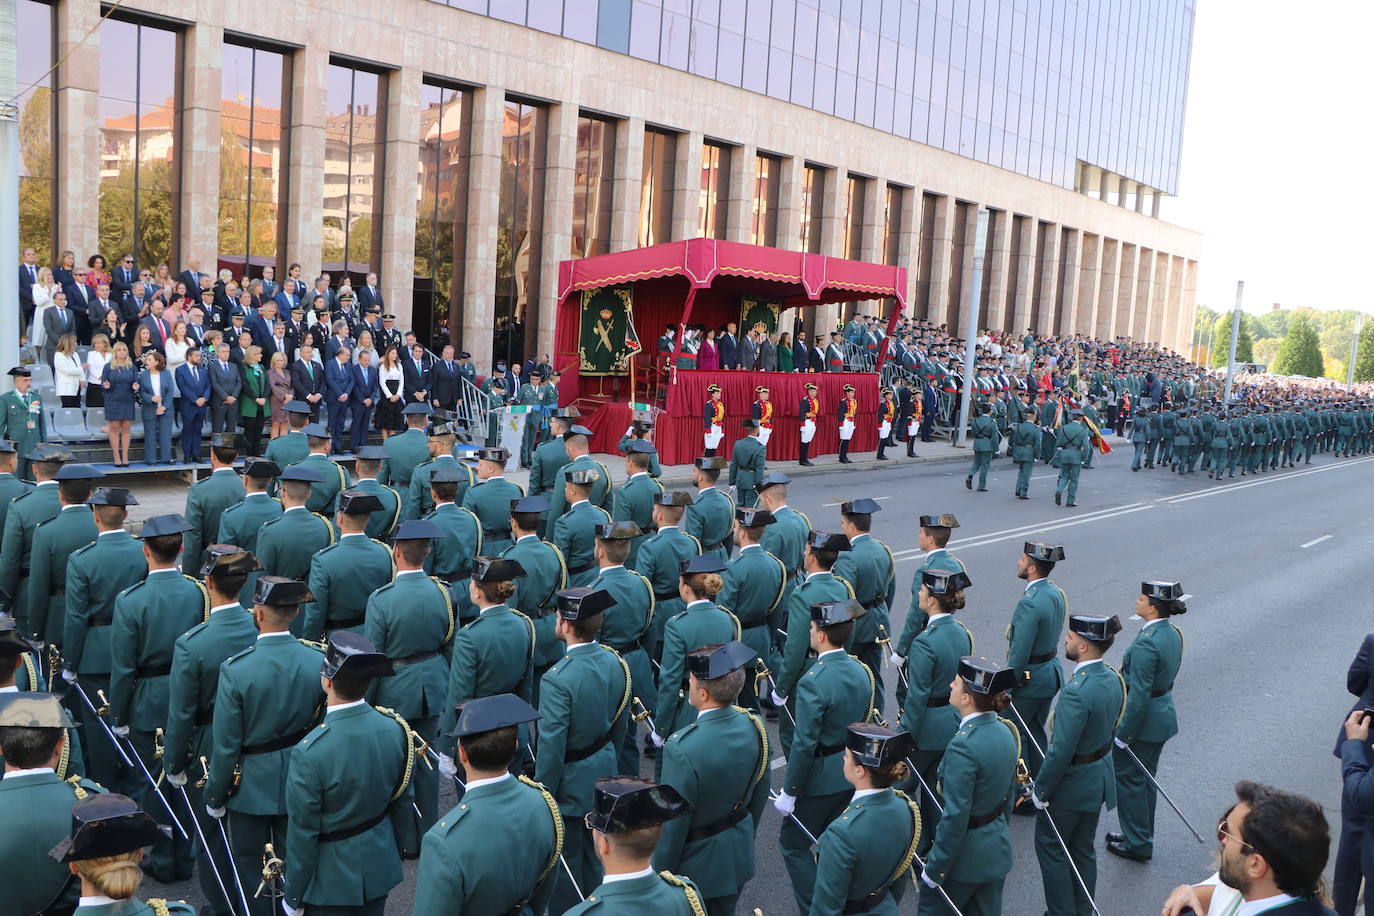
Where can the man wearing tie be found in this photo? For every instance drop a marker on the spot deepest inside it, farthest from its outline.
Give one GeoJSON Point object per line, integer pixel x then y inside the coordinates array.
{"type": "Point", "coordinates": [370, 294]}
{"type": "Point", "coordinates": [415, 375]}
{"type": "Point", "coordinates": [339, 381]}
{"type": "Point", "coordinates": [307, 381]}
{"type": "Point", "coordinates": [195, 328]}
{"type": "Point", "coordinates": [279, 342]}
{"type": "Point", "coordinates": [28, 276]}
{"type": "Point", "coordinates": [225, 387]}
{"type": "Point", "coordinates": [191, 277]}
{"type": "Point", "coordinates": [193, 383]}
{"type": "Point", "coordinates": [444, 382]}
{"type": "Point", "coordinates": [131, 307]}
{"type": "Point", "coordinates": [79, 298]}
{"type": "Point", "coordinates": [363, 399]}
{"type": "Point", "coordinates": [748, 351]}
{"type": "Point", "coordinates": [102, 304]}
{"type": "Point", "coordinates": [122, 277]}
{"type": "Point", "coordinates": [155, 323]}
{"type": "Point", "coordinates": [261, 324]}
{"type": "Point", "coordinates": [57, 321]}
{"type": "Point", "coordinates": [728, 345]}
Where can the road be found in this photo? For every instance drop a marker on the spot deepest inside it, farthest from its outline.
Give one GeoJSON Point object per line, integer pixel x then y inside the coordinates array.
{"type": "Point", "coordinates": [1275, 567]}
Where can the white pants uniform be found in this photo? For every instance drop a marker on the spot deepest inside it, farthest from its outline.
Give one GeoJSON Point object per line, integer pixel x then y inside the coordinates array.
{"type": "Point", "coordinates": [808, 431]}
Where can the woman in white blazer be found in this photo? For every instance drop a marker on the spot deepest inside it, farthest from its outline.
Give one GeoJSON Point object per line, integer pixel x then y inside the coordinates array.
{"type": "Point", "coordinates": [42, 300]}
{"type": "Point", "coordinates": [69, 374]}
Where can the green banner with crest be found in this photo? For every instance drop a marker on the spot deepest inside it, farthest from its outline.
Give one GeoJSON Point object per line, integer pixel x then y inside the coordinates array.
{"type": "Point", "coordinates": [758, 310]}
{"type": "Point", "coordinates": [607, 340]}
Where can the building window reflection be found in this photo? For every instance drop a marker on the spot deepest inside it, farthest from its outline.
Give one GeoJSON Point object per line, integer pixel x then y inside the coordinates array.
{"type": "Point", "coordinates": [813, 207]}
{"type": "Point", "coordinates": [140, 108]}
{"type": "Point", "coordinates": [354, 149]}
{"type": "Point", "coordinates": [252, 151]}
{"type": "Point", "coordinates": [656, 195]}
{"type": "Point", "coordinates": [441, 214]}
{"type": "Point", "coordinates": [36, 129]}
{"type": "Point", "coordinates": [518, 236]}
{"type": "Point", "coordinates": [767, 177]}
{"type": "Point", "coordinates": [591, 224]}
{"type": "Point", "coordinates": [715, 191]}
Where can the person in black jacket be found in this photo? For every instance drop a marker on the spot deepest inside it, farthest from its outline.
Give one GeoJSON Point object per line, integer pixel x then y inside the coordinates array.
{"type": "Point", "coordinates": [1350, 865]}
{"type": "Point", "coordinates": [445, 381]}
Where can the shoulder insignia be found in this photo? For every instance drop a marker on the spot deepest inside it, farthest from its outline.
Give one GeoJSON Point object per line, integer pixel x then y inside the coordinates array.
{"type": "Point", "coordinates": [763, 744]}
{"type": "Point", "coordinates": [158, 906]}
{"type": "Point", "coordinates": [689, 891]}
{"type": "Point", "coordinates": [22, 495]}
{"type": "Point", "coordinates": [273, 521]}
{"type": "Point", "coordinates": [1121, 714]}
{"type": "Point", "coordinates": [412, 745]}
{"type": "Point", "coordinates": [241, 653]}
{"type": "Point", "coordinates": [557, 817]}
{"type": "Point", "coordinates": [80, 550]}
{"type": "Point", "coordinates": [78, 789]}
{"type": "Point", "coordinates": [195, 629]}
{"type": "Point", "coordinates": [204, 597]}
{"type": "Point", "coordinates": [872, 689]}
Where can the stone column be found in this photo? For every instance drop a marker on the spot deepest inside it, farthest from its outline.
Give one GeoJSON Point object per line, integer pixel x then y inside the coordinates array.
{"type": "Point", "coordinates": [967, 249]}
{"type": "Point", "coordinates": [1068, 260]}
{"type": "Point", "coordinates": [305, 183]}
{"type": "Point", "coordinates": [1125, 295]}
{"type": "Point", "coordinates": [1144, 294]}
{"type": "Point", "coordinates": [484, 207]}
{"type": "Point", "coordinates": [559, 176]}
{"type": "Point", "coordinates": [198, 146]}
{"type": "Point", "coordinates": [628, 180]}
{"type": "Point", "coordinates": [1024, 267]}
{"type": "Point", "coordinates": [998, 265]}
{"type": "Point", "coordinates": [1108, 278]}
{"type": "Point", "coordinates": [1173, 331]}
{"type": "Point", "coordinates": [941, 257]}
{"type": "Point", "coordinates": [687, 186]}
{"type": "Point", "coordinates": [1084, 313]}
{"type": "Point", "coordinates": [1159, 299]}
{"type": "Point", "coordinates": [77, 143]}
{"type": "Point", "coordinates": [1047, 275]}
{"type": "Point", "coordinates": [791, 180]}
{"type": "Point", "coordinates": [396, 272]}
{"type": "Point", "coordinates": [739, 202]}
{"type": "Point", "coordinates": [1189, 301]}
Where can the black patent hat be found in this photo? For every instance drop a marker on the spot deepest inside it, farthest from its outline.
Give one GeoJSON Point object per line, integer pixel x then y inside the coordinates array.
{"type": "Point", "coordinates": [576, 604]}
{"type": "Point", "coordinates": [714, 463]}
{"type": "Point", "coordinates": [947, 520]}
{"type": "Point", "coordinates": [823, 540]}
{"type": "Point", "coordinates": [833, 613]}
{"type": "Point", "coordinates": [112, 496]}
{"type": "Point", "coordinates": [33, 710]}
{"type": "Point", "coordinates": [160, 525]}
{"type": "Point", "coordinates": [487, 714]}
{"type": "Point", "coordinates": [679, 498]}
{"type": "Point", "coordinates": [583, 476]}
{"type": "Point", "coordinates": [863, 506]}
{"type": "Point", "coordinates": [351, 655]}
{"type": "Point", "coordinates": [107, 825]}
{"type": "Point", "coordinates": [229, 560]}
{"type": "Point", "coordinates": [12, 642]}
{"type": "Point", "coordinates": [261, 467]}
{"type": "Point", "coordinates": [985, 677]}
{"type": "Point", "coordinates": [702, 563]}
{"type": "Point", "coordinates": [618, 531]}
{"type": "Point", "coordinates": [358, 502]}
{"type": "Point", "coordinates": [279, 591]}
{"type": "Point", "coordinates": [876, 746]}
{"type": "Point", "coordinates": [418, 529]}
{"type": "Point", "coordinates": [496, 569]}
{"type": "Point", "coordinates": [753, 516]}
{"type": "Point", "coordinates": [710, 662]}
{"type": "Point", "coordinates": [300, 473]}
{"type": "Point", "coordinates": [537, 502]}
{"type": "Point", "coordinates": [1046, 553]}
{"type": "Point", "coordinates": [945, 581]}
{"type": "Point", "coordinates": [625, 803]}
{"type": "Point", "coordinates": [1163, 591]}
{"type": "Point", "coordinates": [1098, 629]}
{"type": "Point", "coordinates": [772, 479]}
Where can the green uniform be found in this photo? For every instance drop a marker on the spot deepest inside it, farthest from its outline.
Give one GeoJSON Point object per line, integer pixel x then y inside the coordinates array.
{"type": "Point", "coordinates": [786, 540]}
{"type": "Point", "coordinates": [493, 654]}
{"type": "Point", "coordinates": [601, 489]}
{"type": "Point", "coordinates": [412, 621]}
{"type": "Point", "coordinates": [623, 629]}
{"type": "Point", "coordinates": [701, 623]}
{"type": "Point", "coordinates": [1221, 443]}
{"type": "Point", "coordinates": [711, 520]}
{"type": "Point", "coordinates": [205, 503]}
{"type": "Point", "coordinates": [351, 772]}
{"type": "Point", "coordinates": [663, 894]}
{"type": "Point", "coordinates": [287, 546]}
{"type": "Point", "coordinates": [405, 452]}
{"type": "Point", "coordinates": [915, 622]}
{"type": "Point", "coordinates": [634, 502]}
{"type": "Point", "coordinates": [1071, 444]}
{"type": "Point", "coordinates": [655, 469]}
{"type": "Point", "coordinates": [1076, 788]}
{"type": "Point", "coordinates": [1185, 431]}
{"type": "Point", "coordinates": [341, 578]}
{"type": "Point", "coordinates": [866, 854]}
{"type": "Point", "coordinates": [748, 464]}
{"type": "Point", "coordinates": [719, 763]}
{"type": "Point", "coordinates": [269, 698]}
{"type": "Point", "coordinates": [54, 542]}
{"type": "Point", "coordinates": [834, 694]}
{"type": "Point", "coordinates": [22, 419]}
{"type": "Point", "coordinates": [796, 658]}
{"type": "Point", "coordinates": [575, 535]}
{"type": "Point", "coordinates": [983, 429]}
{"type": "Point", "coordinates": [496, 400]}
{"type": "Point", "coordinates": [1024, 439]}
{"type": "Point", "coordinates": [1140, 434]}
{"type": "Point", "coordinates": [155, 906]}
{"type": "Point", "coordinates": [494, 853]}
{"type": "Point", "coordinates": [450, 557]}
{"type": "Point", "coordinates": [755, 585]}
{"type": "Point", "coordinates": [528, 395]}
{"type": "Point", "coordinates": [37, 813]}
{"type": "Point", "coordinates": [1150, 666]}
{"type": "Point", "coordinates": [241, 524]}
{"type": "Point", "coordinates": [287, 449]}
{"type": "Point", "coordinates": [546, 574]}
{"type": "Point", "coordinates": [334, 477]}
{"type": "Point", "coordinates": [490, 501]}
{"type": "Point", "coordinates": [10, 487]}
{"type": "Point", "coordinates": [869, 568]}
{"type": "Point", "coordinates": [419, 502]}
{"type": "Point", "coordinates": [382, 523]}
{"type": "Point", "coordinates": [547, 461]}
{"type": "Point", "coordinates": [1037, 625]}
{"type": "Point", "coordinates": [658, 562]}
{"type": "Point", "coordinates": [584, 708]}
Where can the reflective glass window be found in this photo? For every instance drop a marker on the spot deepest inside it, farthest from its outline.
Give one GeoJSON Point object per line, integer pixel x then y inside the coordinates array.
{"type": "Point", "coordinates": [656, 194]}
{"type": "Point", "coordinates": [441, 214]}
{"type": "Point", "coordinates": [767, 178]}
{"type": "Point", "coordinates": [519, 219]}
{"type": "Point", "coordinates": [715, 191]}
{"type": "Point", "coordinates": [594, 180]}
{"type": "Point", "coordinates": [36, 130]}
{"type": "Point", "coordinates": [253, 153]}
{"type": "Point", "coordinates": [354, 146]}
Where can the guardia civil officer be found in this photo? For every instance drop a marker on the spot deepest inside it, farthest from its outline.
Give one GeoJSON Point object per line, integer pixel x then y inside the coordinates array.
{"type": "Point", "coordinates": [931, 537]}
{"type": "Point", "coordinates": [634, 501]}
{"type": "Point", "coordinates": [54, 542]}
{"type": "Point", "coordinates": [546, 574]}
{"type": "Point", "coordinates": [26, 511]}
{"type": "Point", "coordinates": [1024, 442]}
{"type": "Point", "coordinates": [658, 560]}
{"type": "Point", "coordinates": [491, 497]}
{"type": "Point", "coordinates": [367, 466]}
{"type": "Point", "coordinates": [443, 437]}
{"type": "Point", "coordinates": [983, 429]}
{"type": "Point", "coordinates": [1071, 444]}
{"type": "Point", "coordinates": [405, 451]}
{"type": "Point", "coordinates": [287, 545]}
{"type": "Point", "coordinates": [450, 555]}
{"type": "Point", "coordinates": [574, 533]}
{"type": "Point", "coordinates": [207, 499]}
{"type": "Point", "coordinates": [701, 622]}
{"type": "Point", "coordinates": [344, 574]}
{"type": "Point", "coordinates": [578, 445]}
{"type": "Point", "coordinates": [869, 568]}
{"type": "Point", "coordinates": [242, 522]}
{"type": "Point", "coordinates": [755, 583]}
{"type": "Point", "coordinates": [1032, 644]}
{"type": "Point", "coordinates": [712, 514]}
{"type": "Point", "coordinates": [628, 620]}
{"type": "Point", "coordinates": [748, 463]}
{"type": "Point", "coordinates": [333, 476]}
{"type": "Point", "coordinates": [294, 446]}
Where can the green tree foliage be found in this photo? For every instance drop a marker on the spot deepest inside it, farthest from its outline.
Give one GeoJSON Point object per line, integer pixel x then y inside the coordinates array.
{"type": "Point", "coordinates": [1221, 340]}
{"type": "Point", "coordinates": [1364, 353]}
{"type": "Point", "coordinates": [1300, 353]}
{"type": "Point", "coordinates": [35, 183]}
{"type": "Point", "coordinates": [1271, 324]}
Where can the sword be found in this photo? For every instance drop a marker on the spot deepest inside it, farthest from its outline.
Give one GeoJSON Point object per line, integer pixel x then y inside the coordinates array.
{"type": "Point", "coordinates": [920, 884]}
{"type": "Point", "coordinates": [796, 820]}
{"type": "Point", "coordinates": [886, 642]}
{"type": "Point", "coordinates": [1160, 789]}
{"type": "Point", "coordinates": [209, 856]}
{"type": "Point", "coordinates": [271, 874]}
{"type": "Point", "coordinates": [105, 706]}
{"type": "Point", "coordinates": [228, 849]}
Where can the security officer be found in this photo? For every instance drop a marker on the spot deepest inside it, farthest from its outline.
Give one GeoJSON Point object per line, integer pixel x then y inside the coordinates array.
{"type": "Point", "coordinates": [552, 456]}
{"type": "Point", "coordinates": [1140, 433]}
{"type": "Point", "coordinates": [983, 429]}
{"type": "Point", "coordinates": [847, 413]}
{"type": "Point", "coordinates": [1076, 779]}
{"type": "Point", "coordinates": [287, 545]}
{"type": "Point", "coordinates": [349, 778]}
{"type": "Point", "coordinates": [342, 575]}
{"type": "Point", "coordinates": [719, 763]}
{"type": "Point", "coordinates": [1222, 441]}
{"type": "Point", "coordinates": [148, 619]}
{"type": "Point", "coordinates": [970, 853]}
{"type": "Point", "coordinates": [755, 583]}
{"type": "Point", "coordinates": [584, 707]}
{"type": "Point", "coordinates": [527, 394]}
{"type": "Point", "coordinates": [1071, 444]}
{"type": "Point", "coordinates": [1149, 669]}
{"type": "Point", "coordinates": [574, 533]}
{"type": "Point", "coordinates": [207, 499]}
{"type": "Point", "coordinates": [785, 539]}
{"type": "Point", "coordinates": [836, 692]}
{"type": "Point", "coordinates": [808, 411]}
{"type": "Point", "coordinates": [701, 623]}
{"type": "Point", "coordinates": [712, 515]}
{"type": "Point", "coordinates": [406, 451]}
{"type": "Point", "coordinates": [22, 419]}
{"type": "Point", "coordinates": [242, 522]}
{"type": "Point", "coordinates": [490, 499]}
{"type": "Point", "coordinates": [1032, 640]}
{"type": "Point", "coordinates": [869, 568]}
{"type": "Point", "coordinates": [634, 500]}
{"type": "Point", "coordinates": [10, 485]}
{"type": "Point", "coordinates": [642, 431]}
{"type": "Point", "coordinates": [268, 699]}
{"type": "Point", "coordinates": [54, 541]}
{"type": "Point", "coordinates": [712, 421]}
{"type": "Point", "coordinates": [443, 436]}
{"type": "Point", "coordinates": [367, 466]}
{"type": "Point", "coordinates": [546, 574]}
{"type": "Point", "coordinates": [747, 464]}
{"type": "Point", "coordinates": [931, 537]}
{"type": "Point", "coordinates": [450, 556]}
{"type": "Point", "coordinates": [498, 851]}
{"type": "Point", "coordinates": [659, 560]}
{"type": "Point", "coordinates": [333, 476]}
{"type": "Point", "coordinates": [626, 825]}
{"type": "Point", "coordinates": [411, 620]}
{"type": "Point", "coordinates": [577, 443]}
{"type": "Point", "coordinates": [864, 857]}
{"type": "Point", "coordinates": [33, 742]}
{"type": "Point", "coordinates": [294, 446]}
{"type": "Point", "coordinates": [497, 399]}
{"type": "Point", "coordinates": [1025, 437]}
{"type": "Point", "coordinates": [1184, 434]}
{"type": "Point", "coordinates": [762, 410]}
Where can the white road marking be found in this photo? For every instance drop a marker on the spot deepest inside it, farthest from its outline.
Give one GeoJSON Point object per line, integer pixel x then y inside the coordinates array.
{"type": "Point", "coordinates": [1022, 529]}
{"type": "Point", "coordinates": [1045, 477]}
{"type": "Point", "coordinates": [1231, 488]}
{"type": "Point", "coordinates": [979, 542]}
{"type": "Point", "coordinates": [1324, 537]}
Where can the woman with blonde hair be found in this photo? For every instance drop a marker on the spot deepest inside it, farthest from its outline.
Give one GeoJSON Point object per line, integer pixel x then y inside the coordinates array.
{"type": "Point", "coordinates": [105, 852]}
{"type": "Point", "coordinates": [42, 300]}
{"type": "Point", "coordinates": [253, 407]}
{"type": "Point", "coordinates": [120, 381]}
{"type": "Point", "coordinates": [279, 381]}
{"type": "Point", "coordinates": [63, 273]}
{"type": "Point", "coordinates": [96, 359]}
{"type": "Point", "coordinates": [701, 623]}
{"type": "Point", "coordinates": [70, 376]}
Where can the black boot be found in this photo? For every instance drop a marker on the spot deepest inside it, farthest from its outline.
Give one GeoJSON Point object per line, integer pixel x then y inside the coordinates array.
{"type": "Point", "coordinates": [805, 455]}
{"type": "Point", "coordinates": [844, 452]}
{"type": "Point", "coordinates": [882, 447]}
{"type": "Point", "coordinates": [911, 446]}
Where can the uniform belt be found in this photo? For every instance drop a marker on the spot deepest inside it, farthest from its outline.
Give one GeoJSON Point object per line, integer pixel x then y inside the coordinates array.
{"type": "Point", "coordinates": [719, 825]}
{"type": "Point", "coordinates": [414, 659]}
{"type": "Point", "coordinates": [152, 671]}
{"type": "Point", "coordinates": [870, 605]}
{"type": "Point", "coordinates": [335, 836]}
{"type": "Point", "coordinates": [746, 627]}
{"type": "Point", "coordinates": [100, 620]}
{"type": "Point", "coordinates": [1040, 659]}
{"type": "Point", "coordinates": [716, 546]}
{"type": "Point", "coordinates": [629, 646]}
{"type": "Point", "coordinates": [583, 753]}
{"type": "Point", "coordinates": [982, 820]}
{"type": "Point", "coordinates": [579, 570]}
{"type": "Point", "coordinates": [492, 534]}
{"type": "Point", "coordinates": [203, 716]}
{"type": "Point", "coordinates": [1156, 694]}
{"type": "Point", "coordinates": [825, 750]}
{"type": "Point", "coordinates": [345, 623]}
{"type": "Point", "coordinates": [937, 702]}
{"type": "Point", "coordinates": [277, 744]}
{"type": "Point", "coordinates": [1091, 756]}
{"type": "Point", "coordinates": [666, 596]}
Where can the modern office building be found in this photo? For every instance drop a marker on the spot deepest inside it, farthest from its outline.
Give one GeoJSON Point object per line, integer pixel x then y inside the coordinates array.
{"type": "Point", "coordinates": [461, 151]}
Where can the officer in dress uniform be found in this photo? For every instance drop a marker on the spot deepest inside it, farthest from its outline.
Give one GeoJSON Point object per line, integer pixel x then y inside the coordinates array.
{"type": "Point", "coordinates": [450, 556]}
{"type": "Point", "coordinates": [836, 692]}
{"type": "Point", "coordinates": [1140, 432]}
{"type": "Point", "coordinates": [808, 410]}
{"type": "Point", "coordinates": [295, 445]}
{"type": "Point", "coordinates": [443, 437]}
{"type": "Point", "coordinates": [54, 542]}
{"type": "Point", "coordinates": [970, 853]}
{"type": "Point", "coordinates": [287, 545]}
{"type": "Point", "coordinates": [719, 763]}
{"type": "Point", "coordinates": [1032, 641]}
{"type": "Point", "coordinates": [864, 856]}
{"type": "Point", "coordinates": [574, 532]}
{"type": "Point", "coordinates": [412, 620]}
{"type": "Point", "coordinates": [344, 574]}
{"type": "Point", "coordinates": [712, 421]}
{"type": "Point", "coordinates": [26, 511]}
{"type": "Point", "coordinates": [847, 412]}
{"type": "Point", "coordinates": [748, 464]}
{"type": "Point", "coordinates": [712, 514]}
{"type": "Point", "coordinates": [242, 522]}
{"type": "Point", "coordinates": [785, 539]}
{"type": "Point", "coordinates": [983, 429]}
{"type": "Point", "coordinates": [207, 499]}
{"type": "Point", "coordinates": [406, 451]}
{"type": "Point", "coordinates": [642, 431]}
{"type": "Point", "coordinates": [349, 780]}
{"type": "Point", "coordinates": [577, 443]}
{"type": "Point", "coordinates": [701, 622]}
{"type": "Point", "coordinates": [1023, 443]}
{"type": "Point", "coordinates": [1076, 778]}
{"type": "Point", "coordinates": [659, 558]}
{"type": "Point", "coordinates": [333, 476]}
{"type": "Point", "coordinates": [869, 568]}
{"type": "Point", "coordinates": [490, 499]}
{"type": "Point", "coordinates": [1149, 669]}
{"type": "Point", "coordinates": [497, 852]}
{"type": "Point", "coordinates": [22, 418]}
{"type": "Point", "coordinates": [10, 485]}
{"type": "Point", "coordinates": [268, 699]}
{"type": "Point", "coordinates": [552, 456]}
{"type": "Point", "coordinates": [584, 707]}
{"type": "Point", "coordinates": [546, 574]}
{"type": "Point", "coordinates": [762, 410]}
{"type": "Point", "coordinates": [634, 501]}
{"type": "Point", "coordinates": [626, 822]}
{"type": "Point", "coordinates": [755, 583]}
{"type": "Point", "coordinates": [148, 619]}
{"type": "Point", "coordinates": [368, 465]}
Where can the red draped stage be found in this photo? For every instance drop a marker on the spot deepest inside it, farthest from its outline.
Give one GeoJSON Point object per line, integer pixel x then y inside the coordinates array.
{"type": "Point", "coordinates": [702, 281]}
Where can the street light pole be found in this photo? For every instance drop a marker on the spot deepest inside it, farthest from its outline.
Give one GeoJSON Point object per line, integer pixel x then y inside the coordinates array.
{"type": "Point", "coordinates": [1354, 345]}
{"type": "Point", "coordinates": [1235, 333]}
{"type": "Point", "coordinates": [980, 245]}
{"type": "Point", "coordinates": [11, 316]}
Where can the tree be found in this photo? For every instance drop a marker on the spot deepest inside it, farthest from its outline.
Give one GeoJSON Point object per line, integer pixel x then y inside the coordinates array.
{"type": "Point", "coordinates": [1221, 340]}
{"type": "Point", "coordinates": [1271, 324]}
{"type": "Point", "coordinates": [1300, 353]}
{"type": "Point", "coordinates": [1265, 350]}
{"type": "Point", "coordinates": [1364, 353]}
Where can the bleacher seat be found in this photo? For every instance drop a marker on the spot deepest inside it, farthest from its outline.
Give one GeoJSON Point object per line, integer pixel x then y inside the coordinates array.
{"type": "Point", "coordinates": [68, 423]}
{"type": "Point", "coordinates": [95, 418]}
{"type": "Point", "coordinates": [42, 376]}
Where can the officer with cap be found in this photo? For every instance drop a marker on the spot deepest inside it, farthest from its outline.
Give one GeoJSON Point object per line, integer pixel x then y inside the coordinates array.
{"type": "Point", "coordinates": [36, 797]}
{"type": "Point", "coordinates": [527, 394]}
{"type": "Point", "coordinates": [748, 464]}
{"type": "Point", "coordinates": [493, 654]}
{"type": "Point", "coordinates": [552, 456]}
{"type": "Point", "coordinates": [1033, 644]}
{"type": "Point", "coordinates": [712, 421]}
{"type": "Point", "coordinates": [711, 516]}
{"type": "Point", "coordinates": [405, 451]}
{"type": "Point", "coordinates": [21, 417]}
{"type": "Point", "coordinates": [412, 620]}
{"type": "Point", "coordinates": [287, 545]}
{"type": "Point", "coordinates": [574, 533]}
{"type": "Point", "coordinates": [54, 542]}
{"type": "Point", "coordinates": [546, 574]}
{"type": "Point", "coordinates": [348, 780]}
{"type": "Point", "coordinates": [342, 575]}
{"type": "Point", "coordinates": [148, 619]}
{"type": "Point", "coordinates": [21, 669]}
{"type": "Point", "coordinates": [702, 622]}
{"type": "Point", "coordinates": [634, 500]}
{"type": "Point", "coordinates": [642, 431]}
{"type": "Point", "coordinates": [584, 707]}
{"type": "Point", "coordinates": [836, 692]}
{"type": "Point", "coordinates": [25, 512]}
{"type": "Point", "coordinates": [333, 476]}
{"type": "Point", "coordinates": [719, 763]}
{"type": "Point", "coordinates": [491, 497]}
{"type": "Point", "coordinates": [970, 854]}
{"type": "Point", "coordinates": [242, 522]}
{"type": "Point", "coordinates": [196, 660]}
{"type": "Point", "coordinates": [847, 414]}
{"type": "Point", "coordinates": [762, 410]}
{"type": "Point", "coordinates": [366, 467]}
{"type": "Point", "coordinates": [626, 823]}
{"type": "Point", "coordinates": [1220, 446]}
{"type": "Point", "coordinates": [293, 446]}
{"type": "Point", "coordinates": [786, 538]}
{"type": "Point", "coordinates": [1149, 669]}
{"type": "Point", "coordinates": [497, 398]}
{"type": "Point", "coordinates": [864, 856]}
{"type": "Point", "coordinates": [578, 443]}
{"type": "Point", "coordinates": [808, 410]}
{"type": "Point", "coordinates": [1071, 445]}
{"type": "Point", "coordinates": [450, 556]}
{"type": "Point", "coordinates": [443, 437]}
{"type": "Point", "coordinates": [755, 583]}
{"type": "Point", "coordinates": [819, 587]}
{"type": "Point", "coordinates": [207, 499]}
{"type": "Point", "coordinates": [10, 485]}
{"type": "Point", "coordinates": [932, 535]}
{"type": "Point", "coordinates": [267, 700]}
{"type": "Point", "coordinates": [1077, 779]}
{"type": "Point", "coordinates": [498, 851]}
{"type": "Point", "coordinates": [1024, 442]}
{"type": "Point", "coordinates": [108, 836]}
{"type": "Point", "coordinates": [659, 557]}
{"type": "Point", "coordinates": [869, 568]}
{"type": "Point", "coordinates": [983, 429]}
{"type": "Point", "coordinates": [1140, 434]}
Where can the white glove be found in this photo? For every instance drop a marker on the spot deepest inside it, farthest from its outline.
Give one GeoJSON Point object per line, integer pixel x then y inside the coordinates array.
{"type": "Point", "coordinates": [121, 731]}
{"type": "Point", "coordinates": [785, 804]}
{"type": "Point", "coordinates": [177, 779]}
{"type": "Point", "coordinates": [1038, 803]}
{"type": "Point", "coordinates": [290, 910]}
{"type": "Point", "coordinates": [926, 880]}
{"type": "Point", "coordinates": [216, 813]}
{"type": "Point", "coordinates": [656, 739]}
{"type": "Point", "coordinates": [69, 676]}
{"type": "Point", "coordinates": [1119, 743]}
{"type": "Point", "coordinates": [896, 660]}
{"type": "Point", "coordinates": [447, 766]}
{"type": "Point", "coordinates": [777, 700]}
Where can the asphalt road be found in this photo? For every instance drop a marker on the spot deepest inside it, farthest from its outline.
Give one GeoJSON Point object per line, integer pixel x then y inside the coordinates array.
{"type": "Point", "coordinates": [1276, 568]}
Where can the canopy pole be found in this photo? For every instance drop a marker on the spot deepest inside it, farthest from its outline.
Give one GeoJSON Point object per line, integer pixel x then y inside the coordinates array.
{"type": "Point", "coordinates": [891, 328]}
{"type": "Point", "coordinates": [682, 329]}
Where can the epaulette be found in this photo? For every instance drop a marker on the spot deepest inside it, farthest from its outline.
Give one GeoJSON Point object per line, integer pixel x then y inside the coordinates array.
{"type": "Point", "coordinates": [557, 824]}
{"type": "Point", "coordinates": [80, 550]}
{"type": "Point", "coordinates": [128, 590]}
{"type": "Point", "coordinates": [194, 630]}
{"type": "Point", "coordinates": [204, 597]}
{"type": "Point", "coordinates": [83, 787]}
{"type": "Point", "coordinates": [242, 653]}
{"type": "Point", "coordinates": [315, 734]}
{"type": "Point", "coordinates": [273, 521]}
{"type": "Point", "coordinates": [22, 495]}
{"type": "Point", "coordinates": [688, 889]}
{"type": "Point", "coordinates": [678, 735]}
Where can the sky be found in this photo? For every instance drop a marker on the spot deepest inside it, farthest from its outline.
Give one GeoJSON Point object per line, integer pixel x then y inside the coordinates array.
{"type": "Point", "coordinates": [1276, 148]}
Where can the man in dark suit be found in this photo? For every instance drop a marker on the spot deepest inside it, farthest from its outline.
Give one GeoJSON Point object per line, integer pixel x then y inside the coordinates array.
{"type": "Point", "coordinates": [366, 391]}
{"type": "Point", "coordinates": [133, 306]}
{"type": "Point", "coordinates": [801, 353]}
{"type": "Point", "coordinates": [728, 346]}
{"type": "Point", "coordinates": [338, 381]}
{"type": "Point", "coordinates": [370, 294]}
{"type": "Point", "coordinates": [279, 342]}
{"type": "Point", "coordinates": [96, 309]}
{"type": "Point", "coordinates": [157, 326]}
{"type": "Point", "coordinates": [79, 299]}
{"type": "Point", "coordinates": [225, 386]}
{"type": "Point", "coordinates": [928, 408]}
{"type": "Point", "coordinates": [768, 354]}
{"type": "Point", "coordinates": [196, 326]}
{"type": "Point", "coordinates": [28, 276]}
{"type": "Point", "coordinates": [123, 277]}
{"type": "Point", "coordinates": [416, 375]}
{"type": "Point", "coordinates": [445, 382]}
{"type": "Point", "coordinates": [57, 320]}
{"type": "Point", "coordinates": [193, 383]}
{"type": "Point", "coordinates": [748, 352]}
{"type": "Point", "coordinates": [307, 381]}
{"type": "Point", "coordinates": [338, 340]}
{"type": "Point", "coordinates": [288, 297]}
{"type": "Point", "coordinates": [191, 277]}
{"type": "Point", "coordinates": [261, 325]}
{"type": "Point", "coordinates": [815, 357]}
{"type": "Point", "coordinates": [321, 298]}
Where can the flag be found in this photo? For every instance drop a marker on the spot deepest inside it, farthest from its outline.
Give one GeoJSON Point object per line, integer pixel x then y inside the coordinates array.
{"type": "Point", "coordinates": [631, 338]}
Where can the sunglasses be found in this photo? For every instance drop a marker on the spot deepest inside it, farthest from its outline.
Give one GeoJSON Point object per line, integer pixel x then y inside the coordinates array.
{"type": "Point", "coordinates": [1223, 834]}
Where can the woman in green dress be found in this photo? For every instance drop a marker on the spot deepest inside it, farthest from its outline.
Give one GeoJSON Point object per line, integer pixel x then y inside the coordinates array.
{"type": "Point", "coordinates": [785, 363]}
{"type": "Point", "coordinates": [109, 835]}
